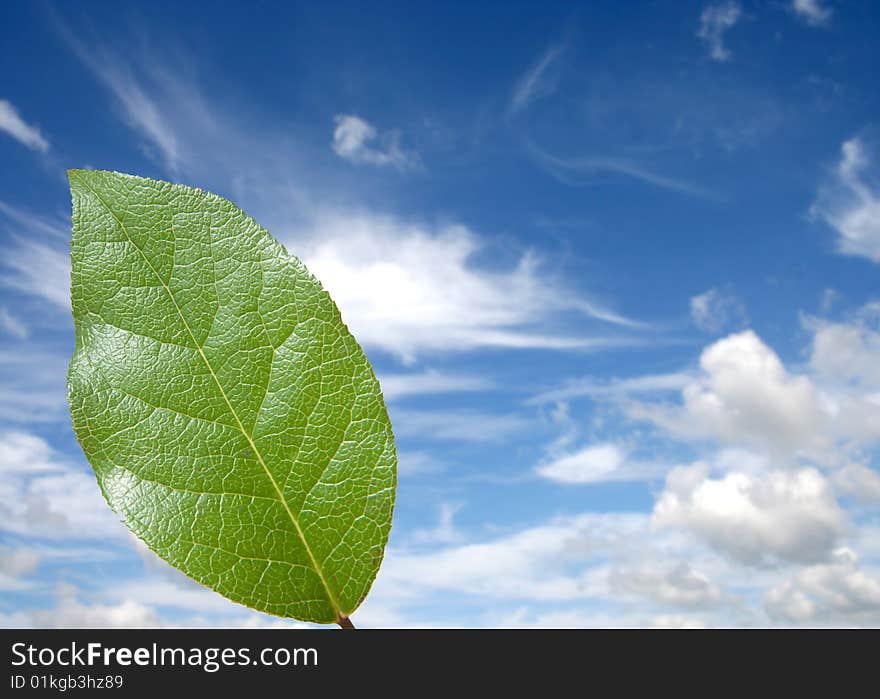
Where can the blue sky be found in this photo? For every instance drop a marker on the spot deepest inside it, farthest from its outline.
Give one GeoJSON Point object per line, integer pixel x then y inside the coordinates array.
{"type": "Point", "coordinates": [615, 265]}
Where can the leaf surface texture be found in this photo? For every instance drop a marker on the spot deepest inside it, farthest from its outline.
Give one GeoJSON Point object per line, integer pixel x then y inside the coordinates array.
{"type": "Point", "coordinates": [232, 420]}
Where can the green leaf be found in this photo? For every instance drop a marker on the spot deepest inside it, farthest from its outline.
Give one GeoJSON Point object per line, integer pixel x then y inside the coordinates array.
{"type": "Point", "coordinates": [232, 421]}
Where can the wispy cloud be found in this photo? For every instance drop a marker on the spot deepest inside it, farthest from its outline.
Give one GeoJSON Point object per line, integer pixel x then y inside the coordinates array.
{"type": "Point", "coordinates": [457, 425]}
{"type": "Point", "coordinates": [26, 134]}
{"type": "Point", "coordinates": [36, 268]}
{"type": "Point", "coordinates": [850, 201]}
{"type": "Point", "coordinates": [580, 171]}
{"type": "Point", "coordinates": [715, 21]}
{"type": "Point", "coordinates": [32, 384]}
{"type": "Point", "coordinates": [714, 310]}
{"type": "Point", "coordinates": [130, 85]}
{"type": "Point", "coordinates": [358, 141]}
{"type": "Point", "coordinates": [12, 325]}
{"type": "Point", "coordinates": [537, 82]}
{"type": "Point", "coordinates": [410, 289]}
{"type": "Point", "coordinates": [813, 12]}
{"type": "Point", "coordinates": [29, 224]}
{"type": "Point", "coordinates": [396, 386]}
{"type": "Point", "coordinates": [407, 287]}
{"type": "Point", "coordinates": [591, 387]}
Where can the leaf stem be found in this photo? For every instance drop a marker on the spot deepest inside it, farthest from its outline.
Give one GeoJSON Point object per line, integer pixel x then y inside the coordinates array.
{"type": "Point", "coordinates": [345, 623]}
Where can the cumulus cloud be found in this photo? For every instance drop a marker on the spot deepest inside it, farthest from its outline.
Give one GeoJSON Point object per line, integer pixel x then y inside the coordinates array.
{"type": "Point", "coordinates": [834, 592]}
{"type": "Point", "coordinates": [673, 583]}
{"type": "Point", "coordinates": [714, 310]}
{"type": "Point", "coordinates": [844, 360]}
{"type": "Point", "coordinates": [813, 12]}
{"type": "Point", "coordinates": [850, 201]}
{"type": "Point", "coordinates": [859, 481]}
{"type": "Point", "coordinates": [28, 135]}
{"type": "Point", "coordinates": [43, 495]}
{"type": "Point", "coordinates": [847, 352]}
{"type": "Point", "coordinates": [756, 518]}
{"type": "Point", "coordinates": [715, 21]}
{"type": "Point", "coordinates": [354, 139]}
{"type": "Point", "coordinates": [744, 395]}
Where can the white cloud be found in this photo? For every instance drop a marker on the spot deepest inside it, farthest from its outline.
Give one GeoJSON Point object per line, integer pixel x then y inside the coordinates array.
{"type": "Point", "coordinates": [396, 386]}
{"type": "Point", "coordinates": [763, 518]}
{"type": "Point", "coordinates": [844, 360]}
{"type": "Point", "coordinates": [133, 607]}
{"type": "Point", "coordinates": [32, 224]}
{"type": "Point", "coordinates": [18, 561]}
{"type": "Point", "coordinates": [34, 266]}
{"type": "Point", "coordinates": [673, 583]}
{"type": "Point", "coordinates": [12, 325]}
{"type": "Point", "coordinates": [858, 480]}
{"type": "Point", "coordinates": [579, 171]}
{"type": "Point", "coordinates": [26, 134]}
{"type": "Point", "coordinates": [15, 563]}
{"type": "Point", "coordinates": [140, 111]}
{"type": "Point", "coordinates": [44, 496]}
{"type": "Point", "coordinates": [594, 464]}
{"type": "Point", "coordinates": [715, 20]}
{"type": "Point", "coordinates": [744, 395]}
{"type": "Point", "coordinates": [677, 621]}
{"type": "Point", "coordinates": [614, 389]}
{"type": "Point", "coordinates": [555, 561]}
{"type": "Point", "coordinates": [713, 311]}
{"type": "Point", "coordinates": [71, 612]}
{"type": "Point", "coordinates": [850, 203]}
{"type": "Point", "coordinates": [837, 592]}
{"type": "Point", "coordinates": [32, 385]}
{"type": "Point", "coordinates": [457, 425]}
{"type": "Point", "coordinates": [353, 138]}
{"type": "Point", "coordinates": [402, 286]}
{"type": "Point", "coordinates": [846, 353]}
{"type": "Point", "coordinates": [445, 531]}
{"type": "Point", "coordinates": [38, 269]}
{"type": "Point", "coordinates": [408, 289]}
{"type": "Point", "coordinates": [537, 82]}
{"type": "Point", "coordinates": [813, 12]}
{"type": "Point", "coordinates": [411, 463]}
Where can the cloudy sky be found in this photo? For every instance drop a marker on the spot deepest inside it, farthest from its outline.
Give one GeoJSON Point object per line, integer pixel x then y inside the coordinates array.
{"type": "Point", "coordinates": [616, 266]}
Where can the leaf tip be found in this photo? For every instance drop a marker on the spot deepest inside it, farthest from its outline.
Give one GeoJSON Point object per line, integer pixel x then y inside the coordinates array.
{"type": "Point", "coordinates": [76, 177]}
